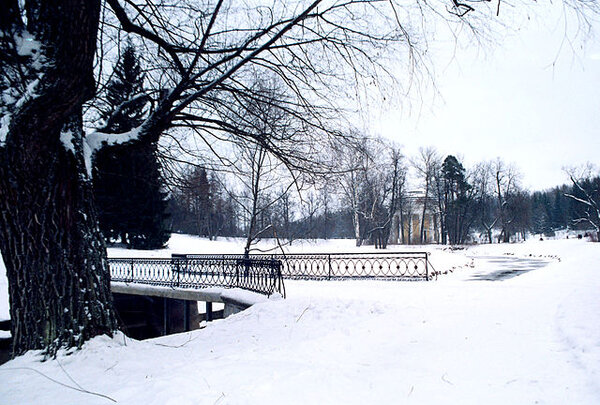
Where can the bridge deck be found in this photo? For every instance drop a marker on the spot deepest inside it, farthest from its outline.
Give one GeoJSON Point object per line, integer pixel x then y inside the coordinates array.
{"type": "Point", "coordinates": [209, 294]}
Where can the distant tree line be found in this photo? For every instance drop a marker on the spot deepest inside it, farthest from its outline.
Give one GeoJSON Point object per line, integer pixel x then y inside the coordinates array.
{"type": "Point", "coordinates": [199, 205]}
{"type": "Point", "coordinates": [370, 198]}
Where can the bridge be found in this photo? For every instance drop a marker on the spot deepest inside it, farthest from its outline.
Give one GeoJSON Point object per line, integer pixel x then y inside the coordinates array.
{"type": "Point", "coordinates": [155, 296]}
{"type": "Point", "coordinates": [159, 296]}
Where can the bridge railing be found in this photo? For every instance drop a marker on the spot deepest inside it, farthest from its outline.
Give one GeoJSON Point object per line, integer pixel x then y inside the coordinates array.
{"type": "Point", "coordinates": [265, 273]}
{"type": "Point", "coordinates": [227, 271]}
{"type": "Point", "coordinates": [335, 266]}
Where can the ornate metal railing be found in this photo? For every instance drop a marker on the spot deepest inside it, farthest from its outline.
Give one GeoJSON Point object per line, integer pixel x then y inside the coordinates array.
{"type": "Point", "coordinates": [265, 273]}
{"type": "Point", "coordinates": [332, 266]}
{"type": "Point", "coordinates": [255, 274]}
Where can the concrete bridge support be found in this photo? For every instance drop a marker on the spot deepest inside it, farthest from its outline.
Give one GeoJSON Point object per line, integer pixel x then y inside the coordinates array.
{"type": "Point", "coordinates": [146, 312]}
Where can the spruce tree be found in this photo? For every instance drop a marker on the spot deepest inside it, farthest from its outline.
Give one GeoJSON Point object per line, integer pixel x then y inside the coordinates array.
{"type": "Point", "coordinates": [127, 180]}
{"type": "Point", "coordinates": [456, 201]}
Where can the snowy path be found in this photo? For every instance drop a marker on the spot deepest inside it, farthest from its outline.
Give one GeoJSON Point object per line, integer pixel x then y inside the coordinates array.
{"type": "Point", "coordinates": [525, 340]}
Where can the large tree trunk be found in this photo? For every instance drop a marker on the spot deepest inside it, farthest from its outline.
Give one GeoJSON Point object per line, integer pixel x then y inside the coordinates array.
{"type": "Point", "coordinates": [59, 283]}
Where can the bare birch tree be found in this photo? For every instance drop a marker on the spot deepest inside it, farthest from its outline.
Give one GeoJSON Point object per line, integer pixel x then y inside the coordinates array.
{"type": "Point", "coordinates": [426, 164]}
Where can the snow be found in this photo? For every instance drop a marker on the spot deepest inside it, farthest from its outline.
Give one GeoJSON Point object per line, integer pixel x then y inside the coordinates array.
{"type": "Point", "coordinates": [6, 116]}
{"type": "Point", "coordinates": [27, 45]}
{"type": "Point", "coordinates": [66, 137]}
{"type": "Point", "coordinates": [30, 92]}
{"type": "Point", "coordinates": [529, 339]}
{"type": "Point", "coordinates": [157, 290]}
{"type": "Point", "coordinates": [88, 154]}
{"type": "Point", "coordinates": [95, 141]}
{"type": "Point", "coordinates": [4, 125]}
{"type": "Point", "coordinates": [247, 297]}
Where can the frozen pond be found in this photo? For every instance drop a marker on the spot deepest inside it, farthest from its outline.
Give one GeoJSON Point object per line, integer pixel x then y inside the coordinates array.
{"type": "Point", "coordinates": [498, 268]}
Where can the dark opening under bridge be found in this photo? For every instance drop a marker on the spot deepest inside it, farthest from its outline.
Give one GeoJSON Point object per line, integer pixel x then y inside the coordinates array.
{"type": "Point", "coordinates": [177, 281]}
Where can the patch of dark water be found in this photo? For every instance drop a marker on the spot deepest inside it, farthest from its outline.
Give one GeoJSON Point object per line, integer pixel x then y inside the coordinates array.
{"type": "Point", "coordinates": [498, 268]}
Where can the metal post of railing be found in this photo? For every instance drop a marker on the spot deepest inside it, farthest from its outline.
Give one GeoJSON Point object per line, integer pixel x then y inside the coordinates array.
{"type": "Point", "coordinates": [426, 267]}
{"type": "Point", "coordinates": [131, 273]}
{"type": "Point", "coordinates": [223, 274]}
{"type": "Point", "coordinates": [329, 264]}
{"type": "Point", "coordinates": [272, 284]}
{"type": "Point", "coordinates": [178, 270]}
{"type": "Point", "coordinates": [277, 280]}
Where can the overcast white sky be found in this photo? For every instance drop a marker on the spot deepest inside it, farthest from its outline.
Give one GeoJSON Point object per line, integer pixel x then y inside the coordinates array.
{"type": "Point", "coordinates": [527, 100]}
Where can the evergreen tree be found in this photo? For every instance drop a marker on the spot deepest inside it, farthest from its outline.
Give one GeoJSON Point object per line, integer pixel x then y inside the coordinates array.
{"type": "Point", "coordinates": [457, 216]}
{"type": "Point", "coordinates": [541, 213]}
{"type": "Point", "coordinates": [127, 180]}
{"type": "Point", "coordinates": [560, 209]}
{"type": "Point", "coordinates": [202, 206]}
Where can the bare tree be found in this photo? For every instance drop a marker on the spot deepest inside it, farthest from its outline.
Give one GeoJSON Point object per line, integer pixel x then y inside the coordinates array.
{"type": "Point", "coordinates": [506, 178]}
{"type": "Point", "coordinates": [426, 165]}
{"type": "Point", "coordinates": [372, 176]}
{"type": "Point", "coordinates": [264, 177]}
{"type": "Point", "coordinates": [353, 162]}
{"type": "Point", "coordinates": [52, 247]}
{"type": "Point", "coordinates": [519, 212]}
{"type": "Point", "coordinates": [201, 205]}
{"type": "Point", "coordinates": [482, 179]}
{"type": "Point", "coordinates": [586, 191]}
{"type": "Point", "coordinates": [261, 178]}
{"type": "Point", "coordinates": [384, 185]}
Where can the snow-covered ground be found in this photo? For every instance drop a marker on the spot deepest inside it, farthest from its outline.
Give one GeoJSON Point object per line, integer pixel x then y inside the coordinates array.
{"type": "Point", "coordinates": [534, 338]}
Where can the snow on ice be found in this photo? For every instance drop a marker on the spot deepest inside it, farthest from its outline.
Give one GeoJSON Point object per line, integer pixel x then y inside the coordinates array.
{"type": "Point", "coordinates": [529, 339]}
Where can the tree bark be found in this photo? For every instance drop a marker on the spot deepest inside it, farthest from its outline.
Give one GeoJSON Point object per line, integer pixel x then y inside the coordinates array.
{"type": "Point", "coordinates": [55, 257]}
{"type": "Point", "coordinates": [59, 282]}
{"type": "Point", "coordinates": [357, 235]}
{"type": "Point", "coordinates": [424, 212]}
